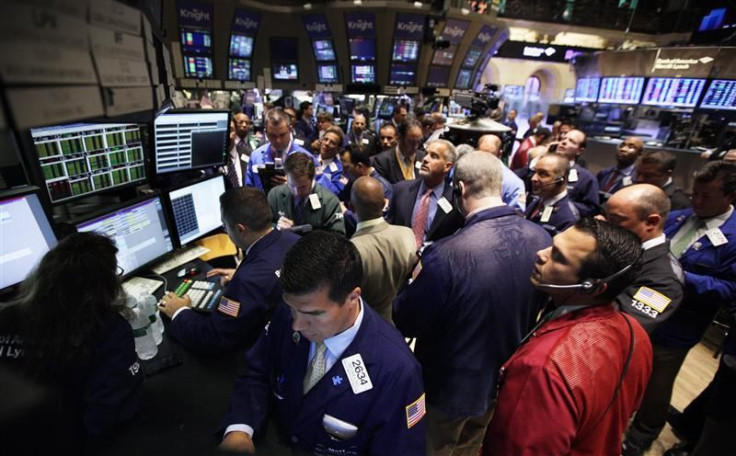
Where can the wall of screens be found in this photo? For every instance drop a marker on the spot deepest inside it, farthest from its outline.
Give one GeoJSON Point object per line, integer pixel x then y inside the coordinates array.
{"type": "Point", "coordinates": [673, 92]}
{"type": "Point", "coordinates": [621, 90]}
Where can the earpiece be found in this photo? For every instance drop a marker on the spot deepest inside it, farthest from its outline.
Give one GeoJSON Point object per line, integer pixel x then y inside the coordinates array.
{"type": "Point", "coordinates": [587, 285]}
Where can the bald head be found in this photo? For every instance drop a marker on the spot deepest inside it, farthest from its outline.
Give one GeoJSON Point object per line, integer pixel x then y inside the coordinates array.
{"type": "Point", "coordinates": [367, 198]}
{"type": "Point", "coordinates": [491, 144]}
{"type": "Point", "coordinates": [640, 208]}
{"type": "Point", "coordinates": [535, 153]}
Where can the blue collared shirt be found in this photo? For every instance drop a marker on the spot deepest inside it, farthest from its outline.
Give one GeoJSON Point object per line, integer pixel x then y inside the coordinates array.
{"type": "Point", "coordinates": [434, 197]}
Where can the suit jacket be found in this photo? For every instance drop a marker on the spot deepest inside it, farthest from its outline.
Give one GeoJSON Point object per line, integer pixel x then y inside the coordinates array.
{"type": "Point", "coordinates": [328, 216]}
{"type": "Point", "coordinates": [678, 199]}
{"type": "Point", "coordinates": [401, 208]}
{"type": "Point", "coordinates": [584, 192]}
{"type": "Point", "coordinates": [274, 375]}
{"type": "Point", "coordinates": [626, 177]}
{"type": "Point", "coordinates": [388, 253]}
{"type": "Point", "coordinates": [710, 282]}
{"type": "Point", "coordinates": [564, 215]}
{"type": "Point", "coordinates": [388, 167]}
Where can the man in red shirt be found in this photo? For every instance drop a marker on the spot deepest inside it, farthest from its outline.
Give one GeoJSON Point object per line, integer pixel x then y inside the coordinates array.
{"type": "Point", "coordinates": [571, 388]}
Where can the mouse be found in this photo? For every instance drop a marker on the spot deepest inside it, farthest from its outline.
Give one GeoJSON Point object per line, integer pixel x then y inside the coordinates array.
{"type": "Point", "coordinates": [188, 272]}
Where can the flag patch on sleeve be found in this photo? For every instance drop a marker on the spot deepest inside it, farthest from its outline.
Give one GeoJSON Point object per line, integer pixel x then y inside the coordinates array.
{"type": "Point", "coordinates": [415, 412]}
{"type": "Point", "coordinates": [229, 307]}
{"type": "Point", "coordinates": [652, 298]}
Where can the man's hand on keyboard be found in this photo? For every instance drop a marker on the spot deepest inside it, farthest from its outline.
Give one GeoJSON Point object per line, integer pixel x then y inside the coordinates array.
{"type": "Point", "coordinates": [226, 275]}
{"type": "Point", "coordinates": [170, 303]}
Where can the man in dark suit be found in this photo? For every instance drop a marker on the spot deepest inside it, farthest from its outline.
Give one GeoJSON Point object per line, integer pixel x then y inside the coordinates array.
{"type": "Point", "coordinates": [242, 144]}
{"type": "Point", "coordinates": [551, 208]}
{"type": "Point", "coordinates": [303, 126]}
{"type": "Point", "coordinates": [426, 204]}
{"type": "Point", "coordinates": [403, 161]}
{"type": "Point", "coordinates": [656, 168]}
{"type": "Point", "coordinates": [582, 185]}
{"type": "Point", "coordinates": [623, 173]}
{"type": "Point", "coordinates": [359, 133]}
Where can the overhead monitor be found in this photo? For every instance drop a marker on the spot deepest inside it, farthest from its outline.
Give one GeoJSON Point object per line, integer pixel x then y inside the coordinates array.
{"type": "Point", "coordinates": [463, 79]}
{"type": "Point", "coordinates": [444, 56]}
{"type": "Point", "coordinates": [625, 90]}
{"type": "Point", "coordinates": [673, 92]}
{"type": "Point", "coordinates": [438, 76]}
{"type": "Point", "coordinates": [362, 49]}
{"type": "Point", "coordinates": [239, 69]}
{"type": "Point", "coordinates": [285, 72]}
{"type": "Point", "coordinates": [405, 51]}
{"type": "Point", "coordinates": [241, 46]}
{"type": "Point", "coordinates": [196, 210]}
{"type": "Point", "coordinates": [327, 74]}
{"type": "Point", "coordinates": [78, 160]}
{"type": "Point", "coordinates": [569, 96]}
{"type": "Point", "coordinates": [402, 74]}
{"type": "Point", "coordinates": [363, 74]}
{"type": "Point", "coordinates": [196, 42]}
{"type": "Point", "coordinates": [586, 90]}
{"type": "Point", "coordinates": [186, 140]}
{"type": "Point", "coordinates": [323, 50]}
{"type": "Point", "coordinates": [198, 67]}
{"type": "Point", "coordinates": [386, 109]}
{"type": "Point", "coordinates": [26, 236]}
{"type": "Point", "coordinates": [139, 229]}
{"type": "Point", "coordinates": [471, 58]}
{"type": "Point", "coordinates": [721, 94]}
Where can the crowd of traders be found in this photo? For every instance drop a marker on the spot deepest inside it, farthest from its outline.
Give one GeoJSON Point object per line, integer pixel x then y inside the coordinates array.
{"type": "Point", "coordinates": [547, 304]}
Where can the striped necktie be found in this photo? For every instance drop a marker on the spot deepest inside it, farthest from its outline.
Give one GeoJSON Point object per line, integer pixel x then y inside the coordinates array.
{"type": "Point", "coordinates": [316, 369]}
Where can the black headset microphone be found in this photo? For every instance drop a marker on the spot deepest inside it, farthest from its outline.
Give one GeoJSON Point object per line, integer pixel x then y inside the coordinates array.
{"type": "Point", "coordinates": [587, 285]}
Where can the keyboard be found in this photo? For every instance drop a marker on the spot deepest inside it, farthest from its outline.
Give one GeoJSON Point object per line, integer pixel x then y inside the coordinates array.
{"type": "Point", "coordinates": [204, 295]}
{"type": "Point", "coordinates": [180, 257]}
{"type": "Point", "coordinates": [136, 286]}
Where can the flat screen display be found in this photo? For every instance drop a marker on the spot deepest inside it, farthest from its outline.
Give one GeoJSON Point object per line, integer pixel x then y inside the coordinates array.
{"type": "Point", "coordinates": [241, 46]}
{"type": "Point", "coordinates": [463, 79]}
{"type": "Point", "coordinates": [673, 92]}
{"type": "Point", "coordinates": [402, 74]}
{"type": "Point", "coordinates": [437, 76]}
{"type": "Point", "coordinates": [139, 230]}
{"type": "Point", "coordinates": [190, 140]}
{"type": "Point", "coordinates": [327, 74]}
{"type": "Point", "coordinates": [362, 49]}
{"type": "Point", "coordinates": [586, 90]}
{"type": "Point", "coordinates": [198, 67]}
{"type": "Point", "coordinates": [721, 94]}
{"type": "Point", "coordinates": [471, 58]}
{"type": "Point", "coordinates": [239, 69]}
{"type": "Point", "coordinates": [621, 90]}
{"type": "Point", "coordinates": [26, 237]}
{"type": "Point", "coordinates": [81, 159]}
{"type": "Point", "coordinates": [285, 72]}
{"type": "Point", "coordinates": [196, 42]}
{"type": "Point", "coordinates": [405, 51]}
{"type": "Point", "coordinates": [323, 50]}
{"type": "Point", "coordinates": [195, 209]}
{"type": "Point", "coordinates": [444, 56]}
{"type": "Point", "coordinates": [363, 74]}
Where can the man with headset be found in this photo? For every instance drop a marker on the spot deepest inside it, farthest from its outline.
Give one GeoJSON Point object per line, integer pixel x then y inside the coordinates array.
{"type": "Point", "coordinates": [551, 208]}
{"type": "Point", "coordinates": [571, 388]}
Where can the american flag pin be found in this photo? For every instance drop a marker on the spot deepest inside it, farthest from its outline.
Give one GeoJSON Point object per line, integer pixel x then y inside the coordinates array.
{"type": "Point", "coordinates": [697, 246]}
{"type": "Point", "coordinates": [296, 337]}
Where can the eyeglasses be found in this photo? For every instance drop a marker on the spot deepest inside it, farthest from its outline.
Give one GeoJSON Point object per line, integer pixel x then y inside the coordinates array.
{"type": "Point", "coordinates": [120, 271]}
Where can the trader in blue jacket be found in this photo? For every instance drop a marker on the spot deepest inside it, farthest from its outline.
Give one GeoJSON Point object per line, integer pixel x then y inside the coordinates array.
{"type": "Point", "coordinates": [469, 305]}
{"type": "Point", "coordinates": [340, 379]}
{"type": "Point", "coordinates": [252, 290]}
{"type": "Point", "coordinates": [704, 241]}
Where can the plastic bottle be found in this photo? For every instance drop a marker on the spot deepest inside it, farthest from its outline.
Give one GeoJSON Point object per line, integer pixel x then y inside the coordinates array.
{"type": "Point", "coordinates": [145, 345]}
{"type": "Point", "coordinates": [149, 305]}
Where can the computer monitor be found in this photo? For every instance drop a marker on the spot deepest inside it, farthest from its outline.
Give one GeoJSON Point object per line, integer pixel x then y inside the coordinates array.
{"type": "Point", "coordinates": [323, 50]}
{"type": "Point", "coordinates": [444, 56]}
{"type": "Point", "coordinates": [405, 51]}
{"type": "Point", "coordinates": [363, 74]}
{"type": "Point", "coordinates": [721, 94]}
{"type": "Point", "coordinates": [186, 140]}
{"type": "Point", "coordinates": [362, 49]}
{"type": "Point", "coordinates": [673, 92]}
{"type": "Point", "coordinates": [402, 74]}
{"type": "Point", "coordinates": [586, 90]}
{"type": "Point", "coordinates": [197, 67]}
{"type": "Point", "coordinates": [621, 90]}
{"type": "Point", "coordinates": [78, 160]}
{"type": "Point", "coordinates": [437, 76]}
{"type": "Point", "coordinates": [239, 69]}
{"type": "Point", "coordinates": [327, 74]}
{"type": "Point", "coordinates": [241, 46]}
{"type": "Point", "coordinates": [139, 229]}
{"type": "Point", "coordinates": [26, 235]}
{"type": "Point", "coordinates": [196, 42]}
{"type": "Point", "coordinates": [463, 79]}
{"type": "Point", "coordinates": [471, 58]}
{"type": "Point", "coordinates": [386, 110]}
{"type": "Point", "coordinates": [195, 209]}
{"type": "Point", "coordinates": [285, 72]}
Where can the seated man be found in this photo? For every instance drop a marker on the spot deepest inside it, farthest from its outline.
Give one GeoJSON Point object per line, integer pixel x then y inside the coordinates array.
{"type": "Point", "coordinates": [551, 208]}
{"type": "Point", "coordinates": [330, 170]}
{"type": "Point", "coordinates": [572, 387]}
{"type": "Point", "coordinates": [656, 167]}
{"type": "Point", "coordinates": [251, 291]}
{"type": "Point", "coordinates": [336, 377]}
{"type": "Point", "coordinates": [623, 173]}
{"type": "Point", "coordinates": [401, 162]}
{"type": "Point", "coordinates": [425, 204]}
{"type": "Point", "coordinates": [302, 201]}
{"type": "Point", "coordinates": [512, 187]}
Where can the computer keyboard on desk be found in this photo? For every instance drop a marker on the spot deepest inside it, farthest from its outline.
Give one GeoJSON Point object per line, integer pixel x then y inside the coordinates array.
{"type": "Point", "coordinates": [136, 286]}
{"type": "Point", "coordinates": [180, 257]}
{"type": "Point", "coordinates": [204, 295]}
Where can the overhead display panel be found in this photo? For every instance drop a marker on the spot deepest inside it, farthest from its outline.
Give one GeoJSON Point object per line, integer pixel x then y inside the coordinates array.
{"type": "Point", "coordinates": [621, 90]}
{"type": "Point", "coordinates": [195, 31]}
{"type": "Point", "coordinates": [721, 94]}
{"type": "Point", "coordinates": [243, 33]}
{"type": "Point", "coordinates": [673, 92]}
{"type": "Point", "coordinates": [323, 46]}
{"type": "Point", "coordinates": [586, 90]}
{"type": "Point", "coordinates": [438, 76]}
{"type": "Point", "coordinates": [454, 30]}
